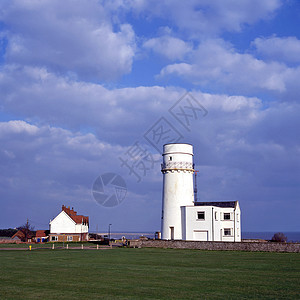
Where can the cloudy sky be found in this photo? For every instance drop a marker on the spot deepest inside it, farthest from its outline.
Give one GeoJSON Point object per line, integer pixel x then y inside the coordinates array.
{"type": "Point", "coordinates": [84, 85]}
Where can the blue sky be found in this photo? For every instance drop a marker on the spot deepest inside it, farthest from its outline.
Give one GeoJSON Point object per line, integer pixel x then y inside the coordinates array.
{"type": "Point", "coordinates": [83, 82]}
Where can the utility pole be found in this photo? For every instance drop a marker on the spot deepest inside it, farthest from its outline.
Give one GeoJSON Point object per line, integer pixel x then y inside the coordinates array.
{"type": "Point", "coordinates": [109, 232]}
{"type": "Point", "coordinates": [26, 231]}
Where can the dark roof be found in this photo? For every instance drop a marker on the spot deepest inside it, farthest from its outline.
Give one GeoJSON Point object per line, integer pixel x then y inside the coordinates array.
{"type": "Point", "coordinates": [217, 203]}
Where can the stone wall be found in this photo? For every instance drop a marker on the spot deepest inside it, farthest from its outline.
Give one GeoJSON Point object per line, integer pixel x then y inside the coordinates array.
{"type": "Point", "coordinates": [242, 246]}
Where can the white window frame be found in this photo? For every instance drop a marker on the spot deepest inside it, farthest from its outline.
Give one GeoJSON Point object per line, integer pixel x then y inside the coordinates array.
{"type": "Point", "coordinates": [54, 238]}
{"type": "Point", "coordinates": [70, 238]}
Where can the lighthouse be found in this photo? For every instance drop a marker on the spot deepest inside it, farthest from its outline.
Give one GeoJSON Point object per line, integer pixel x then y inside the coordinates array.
{"type": "Point", "coordinates": [177, 169]}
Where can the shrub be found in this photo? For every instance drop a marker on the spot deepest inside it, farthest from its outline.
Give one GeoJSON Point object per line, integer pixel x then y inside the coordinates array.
{"type": "Point", "coordinates": [279, 237]}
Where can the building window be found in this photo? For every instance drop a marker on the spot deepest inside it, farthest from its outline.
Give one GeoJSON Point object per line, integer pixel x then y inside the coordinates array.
{"type": "Point", "coordinates": [69, 238]}
{"type": "Point", "coordinates": [216, 216]}
{"type": "Point", "coordinates": [200, 215]}
{"type": "Point", "coordinates": [226, 216]}
{"type": "Point", "coordinates": [170, 158]}
{"type": "Point", "coordinates": [54, 238]}
{"type": "Point", "coordinates": [227, 231]}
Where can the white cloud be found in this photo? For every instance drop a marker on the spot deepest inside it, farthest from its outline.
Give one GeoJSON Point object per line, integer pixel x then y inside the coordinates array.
{"type": "Point", "coordinates": [216, 63]}
{"type": "Point", "coordinates": [67, 37]}
{"type": "Point", "coordinates": [43, 97]}
{"type": "Point", "coordinates": [283, 49]}
{"type": "Point", "coordinates": [168, 46]}
{"type": "Point", "coordinates": [181, 69]}
{"type": "Point", "coordinates": [210, 16]}
{"type": "Point", "coordinates": [53, 159]}
{"type": "Point", "coordinates": [17, 127]}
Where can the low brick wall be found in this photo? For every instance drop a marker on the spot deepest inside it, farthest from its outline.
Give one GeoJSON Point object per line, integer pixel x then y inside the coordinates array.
{"type": "Point", "coordinates": [242, 246]}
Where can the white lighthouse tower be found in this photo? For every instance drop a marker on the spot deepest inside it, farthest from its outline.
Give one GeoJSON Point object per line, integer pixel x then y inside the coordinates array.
{"type": "Point", "coordinates": [177, 169]}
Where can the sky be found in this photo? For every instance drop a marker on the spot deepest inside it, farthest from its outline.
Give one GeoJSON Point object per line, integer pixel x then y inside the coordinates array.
{"type": "Point", "coordinates": [91, 90]}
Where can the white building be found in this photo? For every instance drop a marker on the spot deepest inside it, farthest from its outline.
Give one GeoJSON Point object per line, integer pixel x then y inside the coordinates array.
{"type": "Point", "coordinates": [211, 221]}
{"type": "Point", "coordinates": [68, 226]}
{"type": "Point", "coordinates": [184, 219]}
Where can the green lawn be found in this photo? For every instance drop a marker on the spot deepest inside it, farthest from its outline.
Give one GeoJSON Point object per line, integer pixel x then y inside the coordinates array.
{"type": "Point", "coordinates": [148, 273]}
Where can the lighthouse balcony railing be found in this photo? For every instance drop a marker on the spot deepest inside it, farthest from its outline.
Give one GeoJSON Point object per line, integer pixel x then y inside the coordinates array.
{"type": "Point", "coordinates": [181, 165]}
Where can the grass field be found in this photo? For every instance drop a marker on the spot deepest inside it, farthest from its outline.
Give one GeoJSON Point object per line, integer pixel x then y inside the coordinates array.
{"type": "Point", "coordinates": [148, 273]}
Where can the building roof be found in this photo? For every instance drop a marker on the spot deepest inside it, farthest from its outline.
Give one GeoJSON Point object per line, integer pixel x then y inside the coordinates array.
{"type": "Point", "coordinates": [230, 204]}
{"type": "Point", "coordinates": [78, 219]}
{"type": "Point", "coordinates": [21, 235]}
{"type": "Point", "coordinates": [41, 233]}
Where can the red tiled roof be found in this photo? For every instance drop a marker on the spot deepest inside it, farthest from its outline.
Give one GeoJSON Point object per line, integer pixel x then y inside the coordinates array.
{"type": "Point", "coordinates": [21, 235]}
{"type": "Point", "coordinates": [78, 219]}
{"type": "Point", "coordinates": [18, 234]}
{"type": "Point", "coordinates": [40, 233]}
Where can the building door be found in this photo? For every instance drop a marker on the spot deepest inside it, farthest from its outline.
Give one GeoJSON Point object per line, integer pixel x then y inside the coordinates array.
{"type": "Point", "coordinates": [200, 235]}
{"type": "Point", "coordinates": [172, 233]}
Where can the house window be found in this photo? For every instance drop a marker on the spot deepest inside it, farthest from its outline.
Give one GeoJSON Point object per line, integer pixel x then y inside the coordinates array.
{"type": "Point", "coordinates": [226, 216]}
{"type": "Point", "coordinates": [54, 238]}
{"type": "Point", "coordinates": [227, 231]}
{"type": "Point", "coordinates": [200, 215]}
{"type": "Point", "coordinates": [216, 216]}
{"type": "Point", "coordinates": [69, 238]}
{"type": "Point", "coordinates": [170, 158]}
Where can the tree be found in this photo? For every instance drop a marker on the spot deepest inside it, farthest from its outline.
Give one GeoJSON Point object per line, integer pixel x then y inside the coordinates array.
{"type": "Point", "coordinates": [27, 230]}
{"type": "Point", "coordinates": [8, 232]}
{"type": "Point", "coordinates": [279, 237]}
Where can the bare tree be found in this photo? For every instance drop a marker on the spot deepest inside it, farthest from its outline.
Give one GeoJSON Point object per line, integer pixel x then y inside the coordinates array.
{"type": "Point", "coordinates": [279, 237]}
{"type": "Point", "coordinates": [27, 229]}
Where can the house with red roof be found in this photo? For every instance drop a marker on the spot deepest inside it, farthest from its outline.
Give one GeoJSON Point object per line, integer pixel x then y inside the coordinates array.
{"type": "Point", "coordinates": [21, 235]}
{"type": "Point", "coordinates": [41, 236]}
{"type": "Point", "coordinates": [67, 226]}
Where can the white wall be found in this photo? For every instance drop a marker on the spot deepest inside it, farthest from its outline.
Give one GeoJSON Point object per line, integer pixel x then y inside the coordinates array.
{"type": "Point", "coordinates": [64, 224]}
{"type": "Point", "coordinates": [81, 228]}
{"type": "Point", "coordinates": [212, 227]}
{"type": "Point", "coordinates": [177, 186]}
